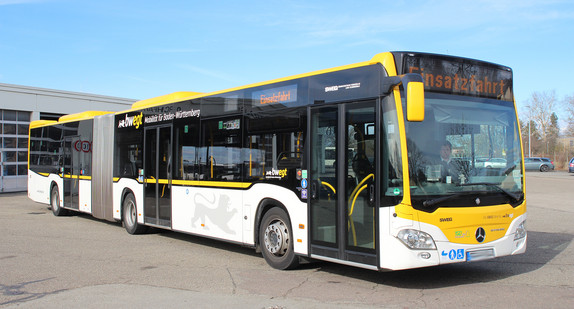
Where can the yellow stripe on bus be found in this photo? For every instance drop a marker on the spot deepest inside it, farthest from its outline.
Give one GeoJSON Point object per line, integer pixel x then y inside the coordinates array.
{"type": "Point", "coordinates": [75, 176]}
{"type": "Point", "coordinates": [196, 183]}
{"type": "Point", "coordinates": [222, 184]}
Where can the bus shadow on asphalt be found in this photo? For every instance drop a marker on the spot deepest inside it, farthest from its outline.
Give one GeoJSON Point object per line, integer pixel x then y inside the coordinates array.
{"type": "Point", "coordinates": [205, 241]}
{"type": "Point", "coordinates": [542, 248]}
{"type": "Point", "coordinates": [184, 237]}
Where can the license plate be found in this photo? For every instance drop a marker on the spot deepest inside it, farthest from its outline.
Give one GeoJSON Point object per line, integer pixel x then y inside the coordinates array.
{"type": "Point", "coordinates": [477, 255]}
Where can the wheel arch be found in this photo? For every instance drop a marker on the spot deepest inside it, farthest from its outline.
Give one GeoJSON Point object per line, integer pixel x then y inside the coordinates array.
{"type": "Point", "coordinates": [264, 206]}
{"type": "Point", "coordinates": [53, 184]}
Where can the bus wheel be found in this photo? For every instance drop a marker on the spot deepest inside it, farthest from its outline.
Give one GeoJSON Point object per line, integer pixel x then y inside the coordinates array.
{"type": "Point", "coordinates": [276, 240]}
{"type": "Point", "coordinates": [57, 210]}
{"type": "Point", "coordinates": [130, 218]}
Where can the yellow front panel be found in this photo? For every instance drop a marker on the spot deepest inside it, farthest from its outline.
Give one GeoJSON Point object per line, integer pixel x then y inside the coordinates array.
{"type": "Point", "coordinates": [459, 224]}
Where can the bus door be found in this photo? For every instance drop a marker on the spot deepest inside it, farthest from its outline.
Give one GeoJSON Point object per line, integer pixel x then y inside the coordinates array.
{"type": "Point", "coordinates": [157, 175]}
{"type": "Point", "coordinates": [342, 178]}
{"type": "Point", "coordinates": [71, 171]}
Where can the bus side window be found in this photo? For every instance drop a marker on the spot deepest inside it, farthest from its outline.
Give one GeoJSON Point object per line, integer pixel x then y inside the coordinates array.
{"type": "Point", "coordinates": [128, 153]}
{"type": "Point", "coordinates": [131, 161]}
{"type": "Point", "coordinates": [186, 150]}
{"type": "Point", "coordinates": [267, 152]}
{"type": "Point", "coordinates": [220, 154]}
{"type": "Point", "coordinates": [255, 160]}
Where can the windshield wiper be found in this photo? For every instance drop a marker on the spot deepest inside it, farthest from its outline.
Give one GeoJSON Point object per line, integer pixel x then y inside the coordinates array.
{"type": "Point", "coordinates": [513, 196]}
{"type": "Point", "coordinates": [434, 201]}
{"type": "Point", "coordinates": [508, 170]}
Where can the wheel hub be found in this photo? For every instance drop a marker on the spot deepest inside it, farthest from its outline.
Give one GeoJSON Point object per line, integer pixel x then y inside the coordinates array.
{"type": "Point", "coordinates": [131, 213]}
{"type": "Point", "coordinates": [55, 200]}
{"type": "Point", "coordinates": [277, 238]}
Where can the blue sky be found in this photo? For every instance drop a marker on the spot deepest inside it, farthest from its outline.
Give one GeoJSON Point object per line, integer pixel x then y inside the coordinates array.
{"type": "Point", "coordinates": [141, 49]}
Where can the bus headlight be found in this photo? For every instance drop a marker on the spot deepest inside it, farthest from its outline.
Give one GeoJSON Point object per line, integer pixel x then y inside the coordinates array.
{"type": "Point", "coordinates": [415, 239]}
{"type": "Point", "coordinates": [520, 231]}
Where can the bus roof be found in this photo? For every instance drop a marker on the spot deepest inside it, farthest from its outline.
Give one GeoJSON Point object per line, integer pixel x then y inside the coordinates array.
{"type": "Point", "coordinates": [82, 116]}
{"type": "Point", "coordinates": [176, 96]}
{"type": "Point", "coordinates": [41, 123]}
{"type": "Point", "coordinates": [68, 118]}
{"type": "Point", "coordinates": [386, 59]}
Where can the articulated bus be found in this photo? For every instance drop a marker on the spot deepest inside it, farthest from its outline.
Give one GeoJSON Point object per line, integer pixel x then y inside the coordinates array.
{"type": "Point", "coordinates": [378, 164]}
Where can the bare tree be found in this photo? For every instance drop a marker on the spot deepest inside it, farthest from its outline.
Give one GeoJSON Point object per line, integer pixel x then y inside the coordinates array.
{"type": "Point", "coordinates": [536, 144]}
{"type": "Point", "coordinates": [553, 134]}
{"type": "Point", "coordinates": [541, 107]}
{"type": "Point", "coordinates": [569, 106]}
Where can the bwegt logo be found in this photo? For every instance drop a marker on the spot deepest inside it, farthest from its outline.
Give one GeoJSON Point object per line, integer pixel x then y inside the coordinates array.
{"type": "Point", "coordinates": [131, 121]}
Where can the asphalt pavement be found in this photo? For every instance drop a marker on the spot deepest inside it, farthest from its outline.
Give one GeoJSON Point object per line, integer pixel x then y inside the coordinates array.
{"type": "Point", "coordinates": [80, 262]}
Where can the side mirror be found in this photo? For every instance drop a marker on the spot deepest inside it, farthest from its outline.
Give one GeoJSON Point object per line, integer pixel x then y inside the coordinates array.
{"type": "Point", "coordinates": [414, 93]}
{"type": "Point", "coordinates": [415, 96]}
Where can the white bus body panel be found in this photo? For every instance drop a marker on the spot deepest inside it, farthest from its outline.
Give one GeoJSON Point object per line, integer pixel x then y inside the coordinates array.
{"type": "Point", "coordinates": [85, 198]}
{"type": "Point", "coordinates": [137, 189]}
{"type": "Point", "coordinates": [38, 187]}
{"type": "Point", "coordinates": [296, 210]}
{"type": "Point", "coordinates": [230, 214]}
{"type": "Point", "coordinates": [213, 212]}
{"type": "Point", "coordinates": [395, 255]}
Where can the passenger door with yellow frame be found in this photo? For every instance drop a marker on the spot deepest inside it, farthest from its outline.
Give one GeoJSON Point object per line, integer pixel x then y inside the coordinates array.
{"type": "Point", "coordinates": [342, 179]}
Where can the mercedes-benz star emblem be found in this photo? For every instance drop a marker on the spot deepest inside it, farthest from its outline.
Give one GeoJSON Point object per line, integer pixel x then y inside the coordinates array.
{"type": "Point", "coordinates": [480, 234]}
{"type": "Point", "coordinates": [477, 201]}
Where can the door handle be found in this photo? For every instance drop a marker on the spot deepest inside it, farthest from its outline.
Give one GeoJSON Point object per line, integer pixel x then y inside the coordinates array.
{"type": "Point", "coordinates": [314, 185]}
{"type": "Point", "coordinates": [169, 176]}
{"type": "Point", "coordinates": [372, 193]}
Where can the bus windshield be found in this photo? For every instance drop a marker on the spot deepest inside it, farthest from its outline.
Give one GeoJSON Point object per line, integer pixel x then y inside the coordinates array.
{"type": "Point", "coordinates": [466, 152]}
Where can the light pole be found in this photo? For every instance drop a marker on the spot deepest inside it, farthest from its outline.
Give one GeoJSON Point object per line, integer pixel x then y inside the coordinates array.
{"type": "Point", "coordinates": [529, 142]}
{"type": "Point", "coordinates": [529, 131]}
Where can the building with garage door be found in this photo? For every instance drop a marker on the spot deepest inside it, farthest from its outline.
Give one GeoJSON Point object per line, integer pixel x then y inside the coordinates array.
{"type": "Point", "coordinates": [21, 104]}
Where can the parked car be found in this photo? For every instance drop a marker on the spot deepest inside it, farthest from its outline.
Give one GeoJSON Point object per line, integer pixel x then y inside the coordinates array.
{"type": "Point", "coordinates": [540, 164]}
{"type": "Point", "coordinates": [479, 162]}
{"type": "Point", "coordinates": [495, 163]}
{"type": "Point", "coordinates": [571, 166]}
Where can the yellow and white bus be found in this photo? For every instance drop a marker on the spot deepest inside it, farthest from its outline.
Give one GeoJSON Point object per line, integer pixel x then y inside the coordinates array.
{"type": "Point", "coordinates": [374, 164]}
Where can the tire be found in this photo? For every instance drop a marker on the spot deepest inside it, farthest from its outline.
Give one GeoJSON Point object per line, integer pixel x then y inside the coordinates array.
{"type": "Point", "coordinates": [130, 217]}
{"type": "Point", "coordinates": [544, 168]}
{"type": "Point", "coordinates": [276, 240]}
{"type": "Point", "coordinates": [57, 209]}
